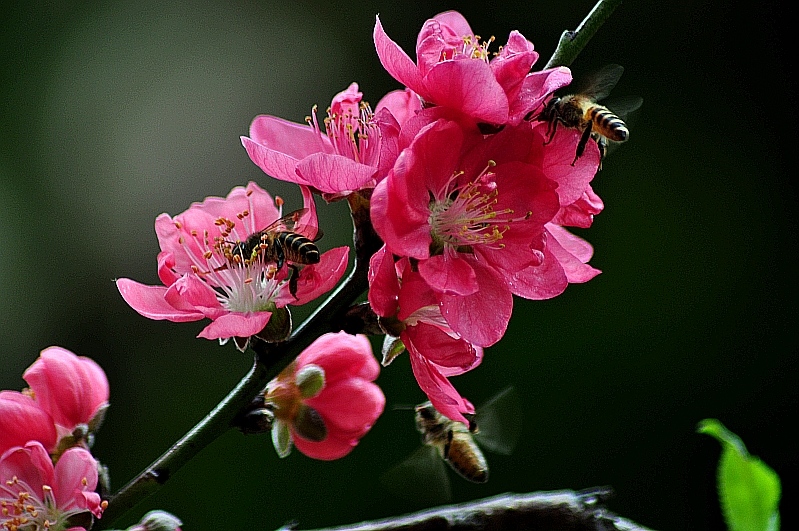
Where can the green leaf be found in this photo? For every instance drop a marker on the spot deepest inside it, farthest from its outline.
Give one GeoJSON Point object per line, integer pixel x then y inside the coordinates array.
{"type": "Point", "coordinates": [749, 490]}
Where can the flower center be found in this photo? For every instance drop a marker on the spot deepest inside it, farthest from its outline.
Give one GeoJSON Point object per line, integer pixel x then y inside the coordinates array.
{"type": "Point", "coordinates": [472, 48]}
{"type": "Point", "coordinates": [350, 134]}
{"type": "Point", "coordinates": [234, 265]}
{"type": "Point", "coordinates": [464, 214]}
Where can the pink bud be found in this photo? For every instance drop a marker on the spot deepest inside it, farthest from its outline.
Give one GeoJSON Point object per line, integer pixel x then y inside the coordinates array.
{"type": "Point", "coordinates": [70, 388]}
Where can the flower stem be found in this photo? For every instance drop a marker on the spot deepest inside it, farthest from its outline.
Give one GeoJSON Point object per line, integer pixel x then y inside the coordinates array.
{"type": "Point", "coordinates": [572, 42]}
{"type": "Point", "coordinates": [270, 359]}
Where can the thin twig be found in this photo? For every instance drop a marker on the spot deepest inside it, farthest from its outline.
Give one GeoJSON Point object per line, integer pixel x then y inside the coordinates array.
{"type": "Point", "coordinates": [562, 510]}
{"type": "Point", "coordinates": [572, 42]}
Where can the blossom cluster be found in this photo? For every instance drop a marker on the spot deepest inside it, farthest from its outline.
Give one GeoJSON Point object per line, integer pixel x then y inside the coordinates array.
{"type": "Point", "coordinates": [48, 476]}
{"type": "Point", "coordinates": [468, 190]}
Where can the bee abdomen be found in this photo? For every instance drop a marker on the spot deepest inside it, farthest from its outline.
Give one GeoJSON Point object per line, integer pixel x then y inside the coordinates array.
{"type": "Point", "coordinates": [298, 248]}
{"type": "Point", "coordinates": [608, 124]}
{"type": "Point", "coordinates": [465, 458]}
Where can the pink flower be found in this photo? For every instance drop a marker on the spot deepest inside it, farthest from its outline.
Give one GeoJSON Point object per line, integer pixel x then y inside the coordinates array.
{"type": "Point", "coordinates": [72, 389]}
{"type": "Point", "coordinates": [455, 69]}
{"type": "Point", "coordinates": [346, 158]}
{"type": "Point", "coordinates": [36, 495]}
{"type": "Point", "coordinates": [405, 301]}
{"type": "Point", "coordinates": [472, 211]}
{"type": "Point", "coordinates": [23, 420]}
{"type": "Point", "coordinates": [325, 401]}
{"type": "Point", "coordinates": [205, 275]}
{"type": "Point", "coordinates": [565, 255]}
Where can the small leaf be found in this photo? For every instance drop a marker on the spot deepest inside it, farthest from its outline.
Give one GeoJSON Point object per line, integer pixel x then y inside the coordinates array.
{"type": "Point", "coordinates": [749, 491]}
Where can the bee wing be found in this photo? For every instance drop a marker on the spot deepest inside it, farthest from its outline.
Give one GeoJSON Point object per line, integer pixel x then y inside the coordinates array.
{"type": "Point", "coordinates": [421, 476]}
{"type": "Point", "coordinates": [623, 107]}
{"type": "Point", "coordinates": [599, 84]}
{"type": "Point", "coordinates": [499, 422]}
{"type": "Point", "coordinates": [287, 222]}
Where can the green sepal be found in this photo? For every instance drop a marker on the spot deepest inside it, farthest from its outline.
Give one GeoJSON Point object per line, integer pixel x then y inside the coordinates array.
{"type": "Point", "coordinates": [281, 438]}
{"type": "Point", "coordinates": [749, 490]}
{"type": "Point", "coordinates": [310, 380]}
{"type": "Point", "coordinates": [279, 326]}
{"type": "Point", "coordinates": [309, 424]}
{"type": "Point", "coordinates": [392, 347]}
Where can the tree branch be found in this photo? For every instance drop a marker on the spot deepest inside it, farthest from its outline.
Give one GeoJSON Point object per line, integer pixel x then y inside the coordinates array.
{"type": "Point", "coordinates": [572, 42]}
{"type": "Point", "coordinates": [564, 510]}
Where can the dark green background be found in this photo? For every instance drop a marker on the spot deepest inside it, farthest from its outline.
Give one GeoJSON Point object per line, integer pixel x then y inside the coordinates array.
{"type": "Point", "coordinates": [112, 113]}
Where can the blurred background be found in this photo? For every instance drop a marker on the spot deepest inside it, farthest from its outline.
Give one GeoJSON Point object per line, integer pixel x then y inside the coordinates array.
{"type": "Point", "coordinates": [114, 112]}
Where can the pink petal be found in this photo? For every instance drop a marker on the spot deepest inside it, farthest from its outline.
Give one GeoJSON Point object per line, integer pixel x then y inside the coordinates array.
{"type": "Point", "coordinates": [149, 301]}
{"type": "Point", "coordinates": [383, 283]}
{"type": "Point", "coordinates": [399, 222]}
{"type": "Point", "coordinates": [480, 318]}
{"type": "Point", "coordinates": [334, 173]}
{"type": "Point", "coordinates": [191, 292]}
{"type": "Point", "coordinates": [454, 22]}
{"type": "Point", "coordinates": [31, 464]}
{"type": "Point", "coordinates": [449, 274]}
{"type": "Point", "coordinates": [75, 473]}
{"type": "Point", "coordinates": [457, 355]}
{"type": "Point", "coordinates": [540, 282]}
{"type": "Point", "coordinates": [572, 253]}
{"type": "Point", "coordinates": [236, 325]}
{"type": "Point", "coordinates": [342, 356]}
{"type": "Point", "coordinates": [535, 89]}
{"type": "Point", "coordinates": [292, 139]}
{"type": "Point", "coordinates": [444, 397]}
{"type": "Point", "coordinates": [317, 279]}
{"type": "Point", "coordinates": [274, 163]}
{"type": "Point", "coordinates": [349, 406]}
{"type": "Point", "coordinates": [395, 60]}
{"type": "Point", "coordinates": [23, 420]}
{"type": "Point", "coordinates": [470, 87]}
{"type": "Point", "coordinates": [557, 163]}
{"type": "Point", "coordinates": [327, 450]}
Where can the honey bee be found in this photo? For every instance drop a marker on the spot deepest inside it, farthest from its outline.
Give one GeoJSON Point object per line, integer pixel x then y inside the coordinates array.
{"type": "Point", "coordinates": [278, 243]}
{"type": "Point", "coordinates": [582, 112]}
{"type": "Point", "coordinates": [496, 426]}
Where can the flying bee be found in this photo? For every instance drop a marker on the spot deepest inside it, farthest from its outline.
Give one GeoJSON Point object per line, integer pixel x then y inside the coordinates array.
{"type": "Point", "coordinates": [278, 243]}
{"type": "Point", "coordinates": [453, 441]}
{"type": "Point", "coordinates": [582, 112]}
{"type": "Point", "coordinates": [495, 426]}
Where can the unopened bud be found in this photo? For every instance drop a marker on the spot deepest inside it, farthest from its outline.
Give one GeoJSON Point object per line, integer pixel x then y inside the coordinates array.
{"type": "Point", "coordinates": [158, 521]}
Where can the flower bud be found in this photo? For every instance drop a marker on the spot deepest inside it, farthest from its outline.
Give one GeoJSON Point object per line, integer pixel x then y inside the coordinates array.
{"type": "Point", "coordinates": [72, 389]}
{"type": "Point", "coordinates": [158, 521]}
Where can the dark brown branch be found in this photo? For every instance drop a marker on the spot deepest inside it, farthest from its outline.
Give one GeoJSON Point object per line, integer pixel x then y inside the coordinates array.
{"type": "Point", "coordinates": [545, 511]}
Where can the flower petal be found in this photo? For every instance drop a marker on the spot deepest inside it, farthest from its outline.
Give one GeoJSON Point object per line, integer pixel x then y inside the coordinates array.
{"type": "Point", "coordinates": [236, 325]}
{"type": "Point", "coordinates": [150, 302]}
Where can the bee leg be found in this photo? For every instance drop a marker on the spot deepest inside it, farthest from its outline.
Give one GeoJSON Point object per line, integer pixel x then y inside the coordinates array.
{"type": "Point", "coordinates": [295, 276]}
{"type": "Point", "coordinates": [552, 126]}
{"type": "Point", "coordinates": [582, 143]}
{"type": "Point", "coordinates": [602, 144]}
{"type": "Point", "coordinates": [280, 256]}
